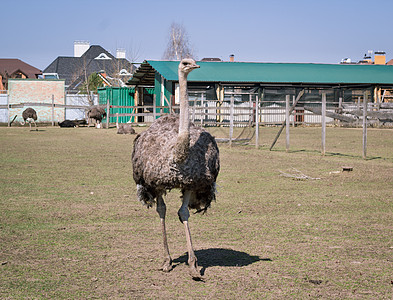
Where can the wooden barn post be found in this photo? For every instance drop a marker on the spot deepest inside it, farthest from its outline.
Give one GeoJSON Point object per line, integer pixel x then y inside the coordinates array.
{"type": "Point", "coordinates": [365, 125]}
{"type": "Point", "coordinates": [323, 123]}
{"type": "Point", "coordinates": [287, 123]}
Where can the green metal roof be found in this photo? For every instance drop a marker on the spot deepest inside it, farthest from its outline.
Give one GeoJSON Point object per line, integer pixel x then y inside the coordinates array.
{"type": "Point", "coordinates": [245, 72]}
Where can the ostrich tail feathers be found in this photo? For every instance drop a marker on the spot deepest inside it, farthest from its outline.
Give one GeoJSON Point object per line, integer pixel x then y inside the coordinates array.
{"type": "Point", "coordinates": [145, 196]}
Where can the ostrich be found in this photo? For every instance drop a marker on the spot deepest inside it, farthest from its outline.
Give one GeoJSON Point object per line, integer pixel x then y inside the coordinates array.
{"type": "Point", "coordinates": [125, 129]}
{"type": "Point", "coordinates": [72, 123]}
{"type": "Point", "coordinates": [174, 153]}
{"type": "Point", "coordinates": [97, 113]}
{"type": "Point", "coordinates": [29, 115]}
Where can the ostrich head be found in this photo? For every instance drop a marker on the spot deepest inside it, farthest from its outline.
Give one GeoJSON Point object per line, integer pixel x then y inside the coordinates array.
{"type": "Point", "coordinates": [187, 65]}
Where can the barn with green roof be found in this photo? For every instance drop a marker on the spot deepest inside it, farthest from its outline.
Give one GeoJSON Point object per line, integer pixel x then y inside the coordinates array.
{"type": "Point", "coordinates": [270, 80]}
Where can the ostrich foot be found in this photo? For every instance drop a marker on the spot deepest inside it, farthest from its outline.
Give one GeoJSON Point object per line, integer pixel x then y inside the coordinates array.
{"type": "Point", "coordinates": [167, 265]}
{"type": "Point", "coordinates": [195, 274]}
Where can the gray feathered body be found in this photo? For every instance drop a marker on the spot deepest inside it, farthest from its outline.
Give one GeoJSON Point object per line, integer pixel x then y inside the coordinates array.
{"type": "Point", "coordinates": [97, 112]}
{"type": "Point", "coordinates": [29, 113]}
{"type": "Point", "coordinates": [156, 169]}
{"type": "Point", "coordinates": [125, 129]}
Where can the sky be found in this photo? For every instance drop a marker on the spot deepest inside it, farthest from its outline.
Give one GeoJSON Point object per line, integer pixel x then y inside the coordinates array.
{"type": "Point", "coordinates": [298, 31]}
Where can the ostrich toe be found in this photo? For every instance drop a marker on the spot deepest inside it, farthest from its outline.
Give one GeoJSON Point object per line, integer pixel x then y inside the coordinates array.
{"type": "Point", "coordinates": [195, 274]}
{"type": "Point", "coordinates": [167, 265]}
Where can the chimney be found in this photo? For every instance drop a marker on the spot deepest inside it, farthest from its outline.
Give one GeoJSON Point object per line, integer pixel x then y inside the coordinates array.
{"type": "Point", "coordinates": [80, 47]}
{"type": "Point", "coordinates": [232, 58]}
{"type": "Point", "coordinates": [120, 53]}
{"type": "Point", "coordinates": [379, 58]}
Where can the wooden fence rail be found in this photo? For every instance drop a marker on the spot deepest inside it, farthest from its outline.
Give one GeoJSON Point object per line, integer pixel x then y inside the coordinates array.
{"type": "Point", "coordinates": [29, 104]}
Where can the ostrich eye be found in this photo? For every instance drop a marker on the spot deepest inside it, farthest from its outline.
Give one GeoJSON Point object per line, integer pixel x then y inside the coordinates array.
{"type": "Point", "coordinates": [186, 63]}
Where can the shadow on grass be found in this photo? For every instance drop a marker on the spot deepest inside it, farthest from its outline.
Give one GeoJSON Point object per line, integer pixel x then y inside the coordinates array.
{"type": "Point", "coordinates": [38, 130]}
{"type": "Point", "coordinates": [221, 257]}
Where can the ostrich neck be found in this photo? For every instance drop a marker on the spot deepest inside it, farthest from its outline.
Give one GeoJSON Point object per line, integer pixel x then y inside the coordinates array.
{"type": "Point", "coordinates": [184, 123]}
{"type": "Point", "coordinates": [183, 138]}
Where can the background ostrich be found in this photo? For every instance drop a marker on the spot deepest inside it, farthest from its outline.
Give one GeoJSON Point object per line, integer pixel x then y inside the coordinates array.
{"type": "Point", "coordinates": [173, 153]}
{"type": "Point", "coordinates": [97, 113]}
{"type": "Point", "coordinates": [125, 129]}
{"type": "Point", "coordinates": [29, 115]}
{"type": "Point", "coordinates": [72, 123]}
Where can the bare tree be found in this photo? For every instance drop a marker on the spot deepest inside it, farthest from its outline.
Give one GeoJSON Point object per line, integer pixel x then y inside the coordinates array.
{"type": "Point", "coordinates": [133, 53]}
{"type": "Point", "coordinates": [178, 44]}
{"type": "Point", "coordinates": [86, 80]}
{"type": "Point", "coordinates": [79, 79]}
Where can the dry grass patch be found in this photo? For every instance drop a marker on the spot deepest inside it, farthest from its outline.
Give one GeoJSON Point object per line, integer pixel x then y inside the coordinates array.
{"type": "Point", "coordinates": [70, 225]}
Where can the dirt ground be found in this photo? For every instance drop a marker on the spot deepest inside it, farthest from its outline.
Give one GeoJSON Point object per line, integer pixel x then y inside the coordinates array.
{"type": "Point", "coordinates": [71, 227]}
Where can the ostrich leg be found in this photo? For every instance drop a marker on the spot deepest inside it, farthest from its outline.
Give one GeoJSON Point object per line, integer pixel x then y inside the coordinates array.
{"type": "Point", "coordinates": [184, 214]}
{"type": "Point", "coordinates": [161, 209]}
{"type": "Point", "coordinates": [35, 124]}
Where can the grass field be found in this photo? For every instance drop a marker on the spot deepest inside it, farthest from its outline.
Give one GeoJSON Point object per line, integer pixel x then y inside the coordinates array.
{"type": "Point", "coordinates": [71, 227]}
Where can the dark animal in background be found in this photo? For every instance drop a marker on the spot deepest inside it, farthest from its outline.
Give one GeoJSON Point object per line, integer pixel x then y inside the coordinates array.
{"type": "Point", "coordinates": [72, 123]}
{"type": "Point", "coordinates": [97, 113]}
{"type": "Point", "coordinates": [125, 129]}
{"type": "Point", "coordinates": [29, 115]}
{"type": "Point", "coordinates": [174, 153]}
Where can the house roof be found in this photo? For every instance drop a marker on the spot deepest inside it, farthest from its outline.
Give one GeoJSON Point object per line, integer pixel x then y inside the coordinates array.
{"type": "Point", "coordinates": [244, 72]}
{"type": "Point", "coordinates": [11, 65]}
{"type": "Point", "coordinates": [72, 68]}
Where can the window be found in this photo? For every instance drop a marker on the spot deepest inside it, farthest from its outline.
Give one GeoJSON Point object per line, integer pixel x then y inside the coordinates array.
{"type": "Point", "coordinates": [103, 56]}
{"type": "Point", "coordinates": [124, 72]}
